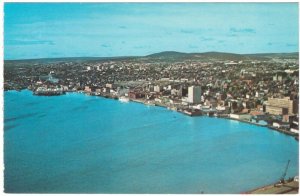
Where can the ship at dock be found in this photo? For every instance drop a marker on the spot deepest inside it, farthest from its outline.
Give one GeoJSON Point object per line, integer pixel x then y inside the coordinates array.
{"type": "Point", "coordinates": [124, 99]}
{"type": "Point", "coordinates": [43, 91]}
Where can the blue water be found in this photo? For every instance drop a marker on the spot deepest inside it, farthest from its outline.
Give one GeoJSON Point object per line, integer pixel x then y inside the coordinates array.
{"type": "Point", "coordinates": [83, 144]}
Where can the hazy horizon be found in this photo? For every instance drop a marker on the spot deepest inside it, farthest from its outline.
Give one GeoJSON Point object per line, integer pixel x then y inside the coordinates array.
{"type": "Point", "coordinates": [146, 55]}
{"type": "Point", "coordinates": [66, 30]}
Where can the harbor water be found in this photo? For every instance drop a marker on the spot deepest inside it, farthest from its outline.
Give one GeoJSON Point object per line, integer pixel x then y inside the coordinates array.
{"type": "Point", "coordinates": [85, 144]}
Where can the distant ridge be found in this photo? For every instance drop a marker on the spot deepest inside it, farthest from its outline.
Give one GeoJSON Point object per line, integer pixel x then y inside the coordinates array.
{"type": "Point", "coordinates": [168, 56]}
{"type": "Point", "coordinates": [280, 53]}
{"type": "Point", "coordinates": [277, 55]}
{"type": "Point", "coordinates": [225, 56]}
{"type": "Point", "coordinates": [64, 59]}
{"type": "Point", "coordinates": [168, 53]}
{"type": "Point", "coordinates": [172, 55]}
{"type": "Point", "coordinates": [221, 55]}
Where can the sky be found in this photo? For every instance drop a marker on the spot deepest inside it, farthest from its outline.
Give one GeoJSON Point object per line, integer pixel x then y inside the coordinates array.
{"type": "Point", "coordinates": [49, 30]}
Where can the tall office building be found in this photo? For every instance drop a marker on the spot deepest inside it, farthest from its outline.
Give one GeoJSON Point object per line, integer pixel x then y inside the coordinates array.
{"type": "Point", "coordinates": [194, 94]}
{"type": "Point", "coordinates": [280, 106]}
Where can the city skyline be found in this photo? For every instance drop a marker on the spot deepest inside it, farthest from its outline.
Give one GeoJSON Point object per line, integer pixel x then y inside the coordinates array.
{"type": "Point", "coordinates": [135, 29]}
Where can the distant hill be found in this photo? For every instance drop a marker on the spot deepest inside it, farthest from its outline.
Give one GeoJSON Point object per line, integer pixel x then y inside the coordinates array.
{"type": "Point", "coordinates": [64, 59]}
{"type": "Point", "coordinates": [166, 56]}
{"type": "Point", "coordinates": [171, 55]}
{"type": "Point", "coordinates": [292, 55]}
{"type": "Point", "coordinates": [222, 55]}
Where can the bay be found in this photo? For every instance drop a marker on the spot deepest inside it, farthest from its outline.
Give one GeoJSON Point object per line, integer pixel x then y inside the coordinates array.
{"type": "Point", "coordinates": [85, 144]}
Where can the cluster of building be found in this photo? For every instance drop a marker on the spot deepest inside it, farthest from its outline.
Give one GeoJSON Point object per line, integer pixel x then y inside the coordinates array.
{"type": "Point", "coordinates": [262, 92]}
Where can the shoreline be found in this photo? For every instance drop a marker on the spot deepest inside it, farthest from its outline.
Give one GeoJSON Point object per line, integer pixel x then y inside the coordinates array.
{"type": "Point", "coordinates": [141, 101]}
{"type": "Point", "coordinates": [288, 186]}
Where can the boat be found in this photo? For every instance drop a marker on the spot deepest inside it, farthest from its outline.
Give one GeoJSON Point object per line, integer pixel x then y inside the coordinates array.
{"type": "Point", "coordinates": [42, 91]}
{"type": "Point", "coordinates": [124, 99]}
{"type": "Point", "coordinates": [149, 103]}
